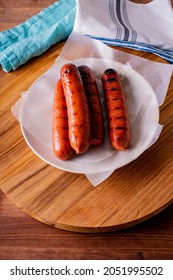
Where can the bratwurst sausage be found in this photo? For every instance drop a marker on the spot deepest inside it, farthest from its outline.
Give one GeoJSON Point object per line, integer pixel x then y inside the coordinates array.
{"type": "Point", "coordinates": [77, 108]}
{"type": "Point", "coordinates": [92, 92]}
{"type": "Point", "coordinates": [60, 139]}
{"type": "Point", "coordinates": [119, 132]}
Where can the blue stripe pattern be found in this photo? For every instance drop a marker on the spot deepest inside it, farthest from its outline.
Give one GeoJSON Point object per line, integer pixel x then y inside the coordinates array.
{"type": "Point", "coordinates": [165, 54]}
{"type": "Point", "coordinates": [118, 14]}
{"type": "Point", "coordinates": [118, 9]}
{"type": "Point", "coordinates": [126, 19]}
{"type": "Point", "coordinates": [114, 19]}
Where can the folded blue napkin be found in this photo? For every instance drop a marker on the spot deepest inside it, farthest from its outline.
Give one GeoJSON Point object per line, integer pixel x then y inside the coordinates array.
{"type": "Point", "coordinates": [36, 35]}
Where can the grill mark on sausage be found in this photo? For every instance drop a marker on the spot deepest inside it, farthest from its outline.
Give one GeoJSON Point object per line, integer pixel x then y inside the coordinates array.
{"type": "Point", "coordinates": [114, 89]}
{"type": "Point", "coordinates": [118, 118]}
{"type": "Point", "coordinates": [118, 128]}
{"type": "Point", "coordinates": [111, 80]}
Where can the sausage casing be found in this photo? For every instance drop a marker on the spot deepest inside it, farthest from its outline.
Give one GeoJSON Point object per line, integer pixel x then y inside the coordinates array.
{"type": "Point", "coordinates": [119, 132]}
{"type": "Point", "coordinates": [60, 138]}
{"type": "Point", "coordinates": [92, 93]}
{"type": "Point", "coordinates": [77, 108]}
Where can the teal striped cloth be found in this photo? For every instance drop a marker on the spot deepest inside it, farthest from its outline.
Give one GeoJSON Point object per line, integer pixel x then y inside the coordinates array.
{"type": "Point", "coordinates": [37, 34]}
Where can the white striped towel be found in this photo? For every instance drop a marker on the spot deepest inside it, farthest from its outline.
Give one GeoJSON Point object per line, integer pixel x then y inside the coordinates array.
{"type": "Point", "coordinates": [145, 27]}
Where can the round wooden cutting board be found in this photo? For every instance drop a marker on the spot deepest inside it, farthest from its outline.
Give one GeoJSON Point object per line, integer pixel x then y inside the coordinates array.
{"type": "Point", "coordinates": [65, 200]}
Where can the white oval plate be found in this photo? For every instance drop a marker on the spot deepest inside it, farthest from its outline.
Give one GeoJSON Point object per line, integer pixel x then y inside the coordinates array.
{"type": "Point", "coordinates": [36, 119]}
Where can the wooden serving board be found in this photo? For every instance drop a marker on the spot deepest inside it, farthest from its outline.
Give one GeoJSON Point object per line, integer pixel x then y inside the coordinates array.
{"type": "Point", "coordinates": [65, 200]}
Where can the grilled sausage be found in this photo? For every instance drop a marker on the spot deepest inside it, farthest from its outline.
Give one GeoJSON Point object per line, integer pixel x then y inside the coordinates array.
{"type": "Point", "coordinates": [77, 108]}
{"type": "Point", "coordinates": [119, 132]}
{"type": "Point", "coordinates": [92, 92]}
{"type": "Point", "coordinates": [60, 139]}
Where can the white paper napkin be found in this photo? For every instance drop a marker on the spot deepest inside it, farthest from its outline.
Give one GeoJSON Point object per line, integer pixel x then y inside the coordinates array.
{"type": "Point", "coordinates": [83, 48]}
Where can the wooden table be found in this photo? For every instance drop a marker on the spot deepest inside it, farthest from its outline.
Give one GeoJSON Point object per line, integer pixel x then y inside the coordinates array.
{"type": "Point", "coordinates": [22, 237]}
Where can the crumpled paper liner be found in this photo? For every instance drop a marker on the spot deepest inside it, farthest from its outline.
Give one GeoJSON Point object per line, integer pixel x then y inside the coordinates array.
{"type": "Point", "coordinates": [97, 164]}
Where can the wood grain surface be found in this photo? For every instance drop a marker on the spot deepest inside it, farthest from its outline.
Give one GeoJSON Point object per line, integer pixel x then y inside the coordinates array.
{"type": "Point", "coordinates": [21, 171]}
